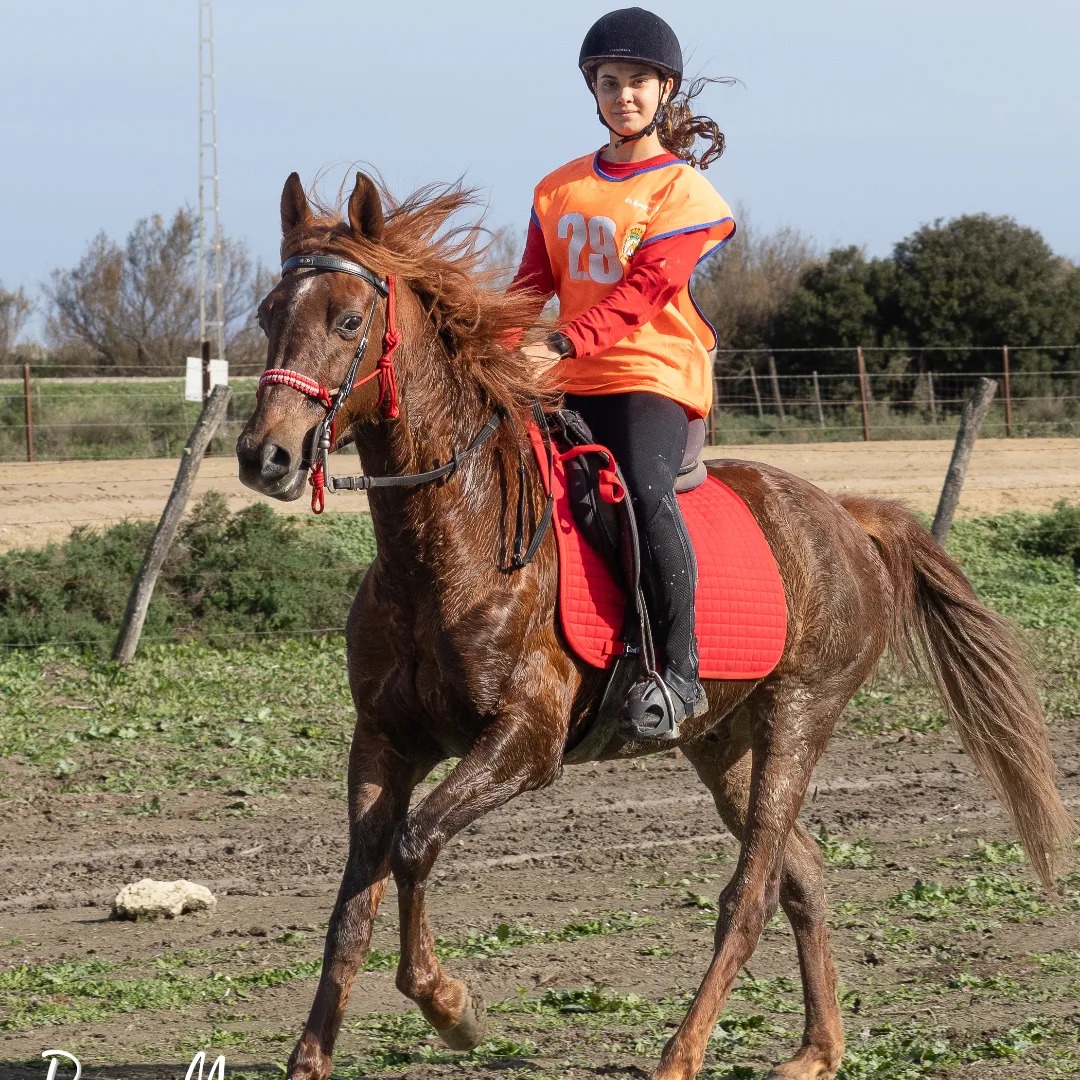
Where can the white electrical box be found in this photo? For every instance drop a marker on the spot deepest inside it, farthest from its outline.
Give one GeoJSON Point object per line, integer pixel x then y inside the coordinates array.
{"type": "Point", "coordinates": [219, 376]}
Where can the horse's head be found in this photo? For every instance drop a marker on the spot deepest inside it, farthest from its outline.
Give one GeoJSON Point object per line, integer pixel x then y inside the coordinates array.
{"type": "Point", "coordinates": [316, 320]}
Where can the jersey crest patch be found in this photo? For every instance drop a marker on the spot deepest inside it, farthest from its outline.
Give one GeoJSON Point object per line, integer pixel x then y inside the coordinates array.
{"type": "Point", "coordinates": [631, 242]}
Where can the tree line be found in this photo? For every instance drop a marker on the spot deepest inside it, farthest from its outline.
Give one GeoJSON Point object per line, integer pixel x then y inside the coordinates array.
{"type": "Point", "coordinates": [972, 284]}
{"type": "Point", "coordinates": [134, 306]}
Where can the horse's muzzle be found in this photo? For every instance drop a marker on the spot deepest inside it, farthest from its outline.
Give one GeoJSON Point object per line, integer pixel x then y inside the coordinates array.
{"type": "Point", "coordinates": [269, 468]}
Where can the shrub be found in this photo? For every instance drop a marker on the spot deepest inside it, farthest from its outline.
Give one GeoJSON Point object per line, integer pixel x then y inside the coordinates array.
{"type": "Point", "coordinates": [253, 572]}
{"type": "Point", "coordinates": [1056, 533]}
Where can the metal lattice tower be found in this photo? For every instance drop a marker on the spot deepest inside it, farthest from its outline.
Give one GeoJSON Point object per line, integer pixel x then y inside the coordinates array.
{"type": "Point", "coordinates": [211, 326]}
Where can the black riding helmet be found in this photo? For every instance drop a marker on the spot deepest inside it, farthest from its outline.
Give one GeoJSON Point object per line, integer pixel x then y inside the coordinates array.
{"type": "Point", "coordinates": [627, 35]}
{"type": "Point", "coordinates": [632, 34]}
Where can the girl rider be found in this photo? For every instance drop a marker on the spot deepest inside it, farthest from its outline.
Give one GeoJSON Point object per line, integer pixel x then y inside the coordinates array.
{"type": "Point", "coordinates": [616, 235]}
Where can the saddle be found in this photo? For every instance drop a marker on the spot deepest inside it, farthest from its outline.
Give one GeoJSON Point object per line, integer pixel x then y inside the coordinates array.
{"type": "Point", "coordinates": [740, 608]}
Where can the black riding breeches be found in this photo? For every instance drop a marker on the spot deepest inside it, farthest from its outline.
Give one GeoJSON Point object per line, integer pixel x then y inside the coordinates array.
{"type": "Point", "coordinates": [647, 434]}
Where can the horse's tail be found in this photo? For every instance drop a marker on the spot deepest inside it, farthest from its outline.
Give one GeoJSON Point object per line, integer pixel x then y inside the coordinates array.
{"type": "Point", "coordinates": [942, 628]}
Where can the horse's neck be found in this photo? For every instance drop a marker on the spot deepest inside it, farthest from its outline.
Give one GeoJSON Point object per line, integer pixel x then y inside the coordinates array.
{"type": "Point", "coordinates": [457, 526]}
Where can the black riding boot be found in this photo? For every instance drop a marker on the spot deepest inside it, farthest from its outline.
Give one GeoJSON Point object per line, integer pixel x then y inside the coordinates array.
{"type": "Point", "coordinates": [656, 707]}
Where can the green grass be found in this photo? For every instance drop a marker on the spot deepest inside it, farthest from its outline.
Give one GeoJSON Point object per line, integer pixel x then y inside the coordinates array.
{"type": "Point", "coordinates": [1000, 895]}
{"type": "Point", "coordinates": [39, 995]}
{"type": "Point", "coordinates": [110, 420]}
{"type": "Point", "coordinates": [845, 854]}
{"type": "Point", "coordinates": [738, 425]}
{"type": "Point", "coordinates": [178, 718]}
{"type": "Point", "coordinates": [260, 714]}
{"type": "Point", "coordinates": [75, 991]}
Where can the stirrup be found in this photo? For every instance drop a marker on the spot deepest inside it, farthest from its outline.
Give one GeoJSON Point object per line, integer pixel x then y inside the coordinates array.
{"type": "Point", "coordinates": [657, 705]}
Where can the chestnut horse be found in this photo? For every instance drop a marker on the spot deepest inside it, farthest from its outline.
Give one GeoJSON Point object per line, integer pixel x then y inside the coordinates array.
{"type": "Point", "coordinates": [454, 649]}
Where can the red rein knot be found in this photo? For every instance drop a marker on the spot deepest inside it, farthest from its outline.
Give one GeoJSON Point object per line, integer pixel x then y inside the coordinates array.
{"type": "Point", "coordinates": [391, 340]}
{"type": "Point", "coordinates": [611, 491]}
{"type": "Point", "coordinates": [318, 488]}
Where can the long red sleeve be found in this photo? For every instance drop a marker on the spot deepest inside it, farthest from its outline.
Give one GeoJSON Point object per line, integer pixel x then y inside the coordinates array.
{"type": "Point", "coordinates": [655, 274]}
{"type": "Point", "coordinates": [534, 271]}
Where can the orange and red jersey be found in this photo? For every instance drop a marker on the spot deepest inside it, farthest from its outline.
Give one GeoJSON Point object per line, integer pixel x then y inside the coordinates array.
{"type": "Point", "coordinates": [595, 218]}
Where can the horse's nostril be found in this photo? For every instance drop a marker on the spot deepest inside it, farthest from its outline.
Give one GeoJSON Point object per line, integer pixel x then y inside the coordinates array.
{"type": "Point", "coordinates": [275, 460]}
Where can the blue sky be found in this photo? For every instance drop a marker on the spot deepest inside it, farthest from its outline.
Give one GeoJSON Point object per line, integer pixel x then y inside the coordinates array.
{"type": "Point", "coordinates": [855, 122]}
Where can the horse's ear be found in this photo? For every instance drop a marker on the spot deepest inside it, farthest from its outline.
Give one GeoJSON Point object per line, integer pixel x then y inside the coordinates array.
{"type": "Point", "coordinates": [365, 209]}
{"type": "Point", "coordinates": [294, 205]}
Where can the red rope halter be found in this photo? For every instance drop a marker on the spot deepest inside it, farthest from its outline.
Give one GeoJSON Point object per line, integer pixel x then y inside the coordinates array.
{"type": "Point", "coordinates": [332, 400]}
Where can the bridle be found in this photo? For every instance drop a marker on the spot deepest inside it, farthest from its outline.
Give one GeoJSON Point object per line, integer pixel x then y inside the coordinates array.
{"type": "Point", "coordinates": [332, 400]}
{"type": "Point", "coordinates": [319, 476]}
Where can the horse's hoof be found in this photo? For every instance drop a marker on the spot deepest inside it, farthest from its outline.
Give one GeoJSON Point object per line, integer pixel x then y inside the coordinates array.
{"type": "Point", "coordinates": [468, 1032]}
{"type": "Point", "coordinates": [308, 1064]}
{"type": "Point", "coordinates": [805, 1067]}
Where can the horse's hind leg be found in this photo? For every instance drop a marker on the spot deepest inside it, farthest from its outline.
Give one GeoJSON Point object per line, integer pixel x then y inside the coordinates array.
{"type": "Point", "coordinates": [802, 896]}
{"type": "Point", "coordinates": [511, 756]}
{"type": "Point", "coordinates": [790, 731]}
{"type": "Point", "coordinates": [380, 783]}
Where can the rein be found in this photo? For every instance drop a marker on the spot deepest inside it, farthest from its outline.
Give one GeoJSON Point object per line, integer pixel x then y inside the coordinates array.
{"type": "Point", "coordinates": [332, 400]}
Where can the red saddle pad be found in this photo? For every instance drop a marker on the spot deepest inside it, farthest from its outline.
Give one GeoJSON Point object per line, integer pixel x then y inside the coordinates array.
{"type": "Point", "coordinates": [740, 608]}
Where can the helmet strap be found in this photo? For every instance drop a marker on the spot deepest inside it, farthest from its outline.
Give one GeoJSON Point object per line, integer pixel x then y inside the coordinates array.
{"type": "Point", "coordinates": [647, 130]}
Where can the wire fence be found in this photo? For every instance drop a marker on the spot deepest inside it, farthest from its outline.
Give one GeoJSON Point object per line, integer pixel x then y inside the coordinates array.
{"type": "Point", "coordinates": [811, 395]}
{"type": "Point", "coordinates": [760, 396]}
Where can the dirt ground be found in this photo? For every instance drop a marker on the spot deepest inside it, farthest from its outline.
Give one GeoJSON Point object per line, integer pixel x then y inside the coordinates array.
{"type": "Point", "coordinates": [638, 839]}
{"type": "Point", "coordinates": [585, 913]}
{"type": "Point", "coordinates": [42, 501]}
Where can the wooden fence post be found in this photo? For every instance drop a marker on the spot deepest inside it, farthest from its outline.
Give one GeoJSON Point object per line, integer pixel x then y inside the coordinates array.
{"type": "Point", "coordinates": [970, 421]}
{"type": "Point", "coordinates": [774, 379]}
{"type": "Point", "coordinates": [817, 399]}
{"type": "Point", "coordinates": [28, 408]}
{"type": "Point", "coordinates": [933, 399]}
{"type": "Point", "coordinates": [1008, 391]}
{"type": "Point", "coordinates": [757, 393]}
{"type": "Point", "coordinates": [143, 588]}
{"type": "Point", "coordinates": [863, 394]}
{"type": "Point", "coordinates": [205, 354]}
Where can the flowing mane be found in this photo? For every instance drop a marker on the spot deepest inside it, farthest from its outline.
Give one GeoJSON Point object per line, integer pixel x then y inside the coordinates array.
{"type": "Point", "coordinates": [444, 264]}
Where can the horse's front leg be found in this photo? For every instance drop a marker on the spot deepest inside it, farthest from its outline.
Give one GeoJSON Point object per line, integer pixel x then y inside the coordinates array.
{"type": "Point", "coordinates": [380, 783]}
{"type": "Point", "coordinates": [521, 750]}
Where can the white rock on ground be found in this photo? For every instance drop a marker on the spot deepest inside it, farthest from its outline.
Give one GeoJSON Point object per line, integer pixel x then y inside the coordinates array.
{"type": "Point", "coordinates": [149, 899]}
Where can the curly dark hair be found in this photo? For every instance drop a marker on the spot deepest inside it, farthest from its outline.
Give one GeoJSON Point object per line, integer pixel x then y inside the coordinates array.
{"type": "Point", "coordinates": [679, 129]}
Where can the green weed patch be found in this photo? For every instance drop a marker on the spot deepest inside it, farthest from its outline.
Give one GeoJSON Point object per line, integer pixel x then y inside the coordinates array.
{"type": "Point", "coordinates": [226, 576]}
{"type": "Point", "coordinates": [845, 854]}
{"type": "Point", "coordinates": [33, 995]}
{"type": "Point", "coordinates": [987, 894]}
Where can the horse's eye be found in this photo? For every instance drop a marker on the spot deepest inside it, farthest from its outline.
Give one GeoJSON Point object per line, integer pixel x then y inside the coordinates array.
{"type": "Point", "coordinates": [350, 324]}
